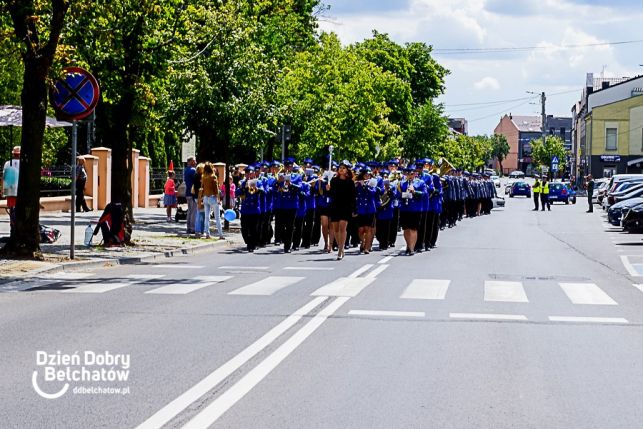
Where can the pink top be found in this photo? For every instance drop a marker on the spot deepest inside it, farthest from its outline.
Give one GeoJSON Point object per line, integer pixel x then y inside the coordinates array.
{"type": "Point", "coordinates": [232, 189]}
{"type": "Point", "coordinates": [170, 188]}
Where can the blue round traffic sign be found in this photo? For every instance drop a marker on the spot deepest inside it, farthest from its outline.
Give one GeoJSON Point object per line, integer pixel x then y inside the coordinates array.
{"type": "Point", "coordinates": [76, 94]}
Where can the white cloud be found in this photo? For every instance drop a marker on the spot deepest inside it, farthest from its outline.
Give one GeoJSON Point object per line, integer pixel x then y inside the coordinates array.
{"type": "Point", "coordinates": [487, 83]}
{"type": "Point", "coordinates": [509, 24]}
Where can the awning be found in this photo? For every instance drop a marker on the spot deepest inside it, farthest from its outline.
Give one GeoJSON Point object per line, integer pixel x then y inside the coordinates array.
{"type": "Point", "coordinates": [11, 116]}
{"type": "Point", "coordinates": [634, 161]}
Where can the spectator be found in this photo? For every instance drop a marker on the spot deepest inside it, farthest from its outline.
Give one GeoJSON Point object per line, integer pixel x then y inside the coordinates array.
{"type": "Point", "coordinates": [11, 172]}
{"type": "Point", "coordinates": [81, 181]}
{"type": "Point", "coordinates": [590, 193]}
{"type": "Point", "coordinates": [169, 195]}
{"type": "Point", "coordinates": [188, 178]}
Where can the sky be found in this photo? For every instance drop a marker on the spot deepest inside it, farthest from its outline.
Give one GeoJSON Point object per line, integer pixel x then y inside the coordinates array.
{"type": "Point", "coordinates": [559, 34]}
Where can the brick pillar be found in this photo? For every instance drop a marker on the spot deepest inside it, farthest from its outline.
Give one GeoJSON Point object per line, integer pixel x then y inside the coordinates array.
{"type": "Point", "coordinates": [143, 182]}
{"type": "Point", "coordinates": [135, 156]}
{"type": "Point", "coordinates": [91, 187]}
{"type": "Point", "coordinates": [104, 194]}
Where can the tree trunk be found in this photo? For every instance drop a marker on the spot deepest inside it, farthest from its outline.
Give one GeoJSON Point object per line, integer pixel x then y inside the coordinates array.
{"type": "Point", "coordinates": [24, 241]}
{"type": "Point", "coordinates": [502, 171]}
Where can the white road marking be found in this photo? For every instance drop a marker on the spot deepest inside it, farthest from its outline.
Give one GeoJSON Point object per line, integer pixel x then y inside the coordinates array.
{"type": "Point", "coordinates": [309, 268]}
{"type": "Point", "coordinates": [185, 288]}
{"type": "Point", "coordinates": [171, 410]}
{"type": "Point", "coordinates": [373, 274]}
{"type": "Point", "coordinates": [145, 276]}
{"type": "Point", "coordinates": [638, 286]}
{"type": "Point", "coordinates": [501, 291]}
{"type": "Point", "coordinates": [242, 267]}
{"type": "Point", "coordinates": [344, 286]}
{"type": "Point", "coordinates": [629, 267]}
{"type": "Point", "coordinates": [487, 316]}
{"type": "Point", "coordinates": [385, 260]}
{"type": "Point", "coordinates": [67, 276]}
{"type": "Point", "coordinates": [266, 286]}
{"type": "Point", "coordinates": [588, 319]}
{"type": "Point", "coordinates": [96, 287]}
{"type": "Point", "coordinates": [360, 270]}
{"type": "Point", "coordinates": [587, 294]}
{"type": "Point", "coordinates": [229, 398]}
{"type": "Point", "coordinates": [178, 266]}
{"type": "Point", "coordinates": [387, 313]}
{"type": "Point", "coordinates": [426, 289]}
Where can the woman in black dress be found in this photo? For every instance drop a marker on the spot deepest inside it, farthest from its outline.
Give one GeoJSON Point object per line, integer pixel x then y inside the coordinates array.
{"type": "Point", "coordinates": [342, 204]}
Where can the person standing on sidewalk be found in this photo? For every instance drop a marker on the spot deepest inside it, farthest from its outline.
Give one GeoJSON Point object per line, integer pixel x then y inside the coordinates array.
{"type": "Point", "coordinates": [11, 173]}
{"type": "Point", "coordinates": [81, 181]}
{"type": "Point", "coordinates": [188, 178]}
{"type": "Point", "coordinates": [210, 185]}
{"type": "Point", "coordinates": [544, 195]}
{"type": "Point", "coordinates": [169, 195]}
{"type": "Point", "coordinates": [536, 191]}
{"type": "Point", "coordinates": [590, 193]}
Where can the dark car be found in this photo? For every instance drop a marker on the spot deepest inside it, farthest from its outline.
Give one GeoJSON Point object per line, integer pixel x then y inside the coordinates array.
{"type": "Point", "coordinates": [520, 188]}
{"type": "Point", "coordinates": [633, 218]}
{"type": "Point", "coordinates": [561, 192]}
{"type": "Point", "coordinates": [615, 212]}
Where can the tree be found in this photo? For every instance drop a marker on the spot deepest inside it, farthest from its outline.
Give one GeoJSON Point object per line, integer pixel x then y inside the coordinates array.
{"type": "Point", "coordinates": [499, 148]}
{"type": "Point", "coordinates": [38, 27]}
{"type": "Point", "coordinates": [541, 154]}
{"type": "Point", "coordinates": [427, 132]}
{"type": "Point", "coordinates": [127, 46]}
{"type": "Point", "coordinates": [334, 97]}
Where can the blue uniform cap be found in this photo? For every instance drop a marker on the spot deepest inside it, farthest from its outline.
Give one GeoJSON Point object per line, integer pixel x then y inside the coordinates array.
{"type": "Point", "coordinates": [249, 169]}
{"type": "Point", "coordinates": [308, 161]}
{"type": "Point", "coordinates": [275, 163]}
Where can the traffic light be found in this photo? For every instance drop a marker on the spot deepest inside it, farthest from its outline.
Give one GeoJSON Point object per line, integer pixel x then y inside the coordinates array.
{"type": "Point", "coordinates": [287, 132]}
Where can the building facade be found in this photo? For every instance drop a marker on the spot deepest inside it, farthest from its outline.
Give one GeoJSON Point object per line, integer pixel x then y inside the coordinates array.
{"type": "Point", "coordinates": [615, 134]}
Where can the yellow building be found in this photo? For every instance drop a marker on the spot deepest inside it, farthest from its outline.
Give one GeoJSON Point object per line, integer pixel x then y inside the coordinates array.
{"type": "Point", "coordinates": [615, 133]}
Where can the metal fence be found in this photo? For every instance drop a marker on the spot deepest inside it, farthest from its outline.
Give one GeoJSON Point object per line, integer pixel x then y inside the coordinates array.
{"type": "Point", "coordinates": [158, 176]}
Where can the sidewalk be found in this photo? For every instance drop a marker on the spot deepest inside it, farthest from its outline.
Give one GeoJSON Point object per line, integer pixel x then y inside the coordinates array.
{"type": "Point", "coordinates": [153, 238]}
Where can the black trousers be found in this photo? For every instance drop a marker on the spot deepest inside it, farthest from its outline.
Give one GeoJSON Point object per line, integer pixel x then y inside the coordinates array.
{"type": "Point", "coordinates": [434, 229]}
{"type": "Point", "coordinates": [431, 217]}
{"type": "Point", "coordinates": [287, 225]}
{"type": "Point", "coordinates": [80, 195]}
{"type": "Point", "coordinates": [383, 233]}
{"type": "Point", "coordinates": [536, 197]}
{"type": "Point", "coordinates": [394, 227]}
{"type": "Point", "coordinates": [250, 230]}
{"type": "Point", "coordinates": [589, 203]}
{"type": "Point", "coordinates": [544, 201]}
{"type": "Point", "coordinates": [316, 233]}
{"type": "Point", "coordinates": [352, 233]}
{"type": "Point", "coordinates": [307, 228]}
{"type": "Point", "coordinates": [297, 231]}
{"type": "Point", "coordinates": [419, 244]}
{"type": "Point", "coordinates": [265, 228]}
{"type": "Point", "coordinates": [279, 225]}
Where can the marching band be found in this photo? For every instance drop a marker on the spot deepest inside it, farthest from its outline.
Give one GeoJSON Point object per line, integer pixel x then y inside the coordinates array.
{"type": "Point", "coordinates": [352, 205]}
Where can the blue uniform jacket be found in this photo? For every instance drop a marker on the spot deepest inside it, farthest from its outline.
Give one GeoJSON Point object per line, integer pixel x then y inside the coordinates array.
{"type": "Point", "coordinates": [366, 197]}
{"type": "Point", "coordinates": [413, 204]}
{"type": "Point", "coordinates": [250, 204]}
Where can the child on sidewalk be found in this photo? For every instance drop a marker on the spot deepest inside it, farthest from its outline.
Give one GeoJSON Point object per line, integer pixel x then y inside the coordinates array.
{"type": "Point", "coordinates": [169, 195]}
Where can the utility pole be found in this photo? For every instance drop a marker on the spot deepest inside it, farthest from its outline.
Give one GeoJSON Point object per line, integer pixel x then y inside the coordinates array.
{"type": "Point", "coordinates": [543, 99]}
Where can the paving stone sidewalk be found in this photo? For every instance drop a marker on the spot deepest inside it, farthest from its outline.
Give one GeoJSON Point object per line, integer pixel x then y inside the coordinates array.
{"type": "Point", "coordinates": [153, 238]}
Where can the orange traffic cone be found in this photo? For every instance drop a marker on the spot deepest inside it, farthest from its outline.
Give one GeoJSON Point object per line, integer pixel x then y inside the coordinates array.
{"type": "Point", "coordinates": [171, 167]}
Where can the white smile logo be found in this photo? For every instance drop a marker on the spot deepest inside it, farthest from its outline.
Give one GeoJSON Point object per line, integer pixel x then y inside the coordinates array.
{"type": "Point", "coordinates": [34, 381]}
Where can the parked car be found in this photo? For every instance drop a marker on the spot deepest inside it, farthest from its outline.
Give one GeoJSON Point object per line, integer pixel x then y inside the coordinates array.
{"type": "Point", "coordinates": [600, 189]}
{"type": "Point", "coordinates": [496, 181]}
{"type": "Point", "coordinates": [623, 191]}
{"type": "Point", "coordinates": [520, 188]}
{"type": "Point", "coordinates": [632, 219]}
{"type": "Point", "coordinates": [615, 212]}
{"type": "Point", "coordinates": [498, 202]}
{"type": "Point", "coordinates": [517, 175]}
{"type": "Point", "coordinates": [562, 192]}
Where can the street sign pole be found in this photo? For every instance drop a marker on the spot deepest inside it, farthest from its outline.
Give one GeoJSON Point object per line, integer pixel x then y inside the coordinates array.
{"type": "Point", "coordinates": [330, 158]}
{"type": "Point", "coordinates": [74, 144]}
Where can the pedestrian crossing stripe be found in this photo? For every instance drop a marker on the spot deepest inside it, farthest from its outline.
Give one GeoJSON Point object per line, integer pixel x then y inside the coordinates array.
{"type": "Point", "coordinates": [267, 286]}
{"type": "Point", "coordinates": [185, 288]}
{"type": "Point", "coordinates": [426, 289]}
{"type": "Point", "coordinates": [500, 291]}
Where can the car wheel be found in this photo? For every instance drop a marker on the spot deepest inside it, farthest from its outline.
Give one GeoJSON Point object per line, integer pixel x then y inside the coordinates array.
{"type": "Point", "coordinates": [566, 201]}
{"type": "Point", "coordinates": [528, 196]}
{"type": "Point", "coordinates": [511, 195]}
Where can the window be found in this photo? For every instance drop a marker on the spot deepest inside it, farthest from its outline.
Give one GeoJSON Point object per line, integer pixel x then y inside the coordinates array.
{"type": "Point", "coordinates": [562, 133]}
{"type": "Point", "coordinates": [641, 140]}
{"type": "Point", "coordinates": [610, 138]}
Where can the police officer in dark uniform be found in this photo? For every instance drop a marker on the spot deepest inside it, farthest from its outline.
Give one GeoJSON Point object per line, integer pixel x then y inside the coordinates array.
{"type": "Point", "coordinates": [250, 195]}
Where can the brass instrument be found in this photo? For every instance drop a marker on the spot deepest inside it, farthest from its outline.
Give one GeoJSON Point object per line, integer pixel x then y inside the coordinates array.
{"type": "Point", "coordinates": [252, 186]}
{"type": "Point", "coordinates": [444, 167]}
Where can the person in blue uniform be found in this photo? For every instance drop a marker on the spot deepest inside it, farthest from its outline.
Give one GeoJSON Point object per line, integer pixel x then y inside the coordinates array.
{"type": "Point", "coordinates": [413, 191]}
{"type": "Point", "coordinates": [310, 180]}
{"type": "Point", "coordinates": [302, 209]}
{"type": "Point", "coordinates": [384, 216]}
{"type": "Point", "coordinates": [392, 166]}
{"type": "Point", "coordinates": [435, 207]}
{"type": "Point", "coordinates": [250, 195]}
{"type": "Point", "coordinates": [288, 202]}
{"type": "Point", "coordinates": [315, 190]}
{"type": "Point", "coordinates": [367, 194]}
{"type": "Point", "coordinates": [275, 169]}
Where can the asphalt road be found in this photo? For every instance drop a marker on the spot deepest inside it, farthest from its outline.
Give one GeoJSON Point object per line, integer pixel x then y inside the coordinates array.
{"type": "Point", "coordinates": [518, 319]}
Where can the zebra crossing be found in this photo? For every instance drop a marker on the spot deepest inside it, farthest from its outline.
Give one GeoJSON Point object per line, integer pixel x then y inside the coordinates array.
{"type": "Point", "coordinates": [491, 291]}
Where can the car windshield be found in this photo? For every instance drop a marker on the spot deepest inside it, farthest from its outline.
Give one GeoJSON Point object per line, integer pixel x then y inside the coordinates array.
{"type": "Point", "coordinates": [520, 185]}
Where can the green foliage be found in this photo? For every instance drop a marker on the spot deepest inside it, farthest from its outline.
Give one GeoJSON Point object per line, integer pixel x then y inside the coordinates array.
{"type": "Point", "coordinates": [54, 186]}
{"type": "Point", "coordinates": [427, 133]}
{"type": "Point", "coordinates": [542, 154]}
{"type": "Point", "coordinates": [334, 97]}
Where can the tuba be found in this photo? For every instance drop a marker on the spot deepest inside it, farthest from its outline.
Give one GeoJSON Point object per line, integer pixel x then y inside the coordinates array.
{"type": "Point", "coordinates": [444, 167]}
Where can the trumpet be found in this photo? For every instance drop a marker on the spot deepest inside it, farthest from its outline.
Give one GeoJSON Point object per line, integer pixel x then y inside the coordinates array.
{"type": "Point", "coordinates": [252, 186]}
{"type": "Point", "coordinates": [444, 167]}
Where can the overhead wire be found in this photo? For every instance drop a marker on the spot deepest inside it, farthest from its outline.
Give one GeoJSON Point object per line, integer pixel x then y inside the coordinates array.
{"type": "Point", "coordinates": [510, 49]}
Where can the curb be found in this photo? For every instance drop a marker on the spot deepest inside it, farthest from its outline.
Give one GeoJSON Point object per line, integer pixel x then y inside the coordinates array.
{"type": "Point", "coordinates": [130, 260]}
